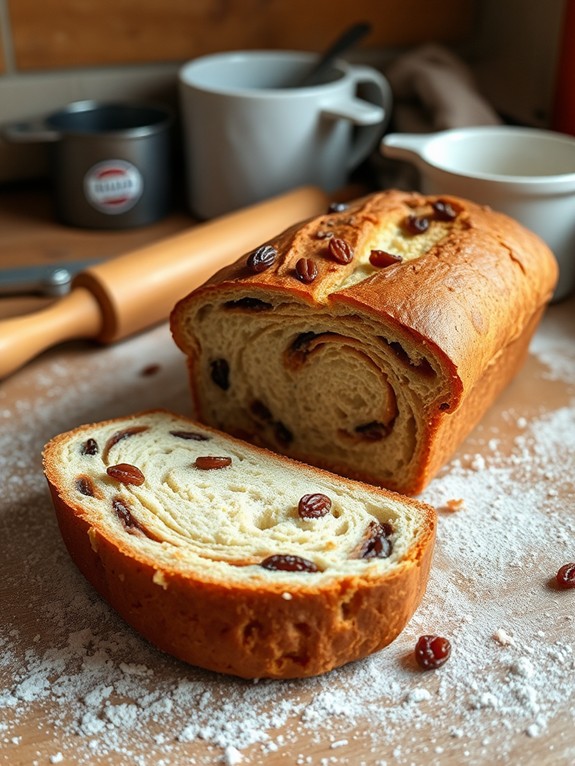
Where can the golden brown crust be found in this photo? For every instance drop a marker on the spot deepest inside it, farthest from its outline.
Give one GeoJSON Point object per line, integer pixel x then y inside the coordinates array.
{"type": "Point", "coordinates": [250, 630]}
{"type": "Point", "coordinates": [468, 299]}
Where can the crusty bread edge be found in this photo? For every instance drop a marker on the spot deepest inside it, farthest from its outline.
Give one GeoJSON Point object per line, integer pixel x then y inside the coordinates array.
{"type": "Point", "coordinates": [254, 632]}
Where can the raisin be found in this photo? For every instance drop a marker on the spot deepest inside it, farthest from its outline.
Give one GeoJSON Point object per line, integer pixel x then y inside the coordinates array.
{"type": "Point", "coordinates": [262, 258]}
{"type": "Point", "coordinates": [85, 486]}
{"type": "Point", "coordinates": [566, 576]}
{"type": "Point", "coordinates": [126, 473]}
{"type": "Point", "coordinates": [306, 270]}
{"type": "Point", "coordinates": [387, 528]}
{"type": "Point", "coordinates": [381, 258]}
{"type": "Point", "coordinates": [373, 431]}
{"type": "Point", "coordinates": [120, 436]}
{"type": "Point", "coordinates": [376, 544]}
{"type": "Point", "coordinates": [211, 462]}
{"type": "Point", "coordinates": [302, 340]}
{"type": "Point", "coordinates": [432, 651]}
{"type": "Point", "coordinates": [190, 435]}
{"type": "Point", "coordinates": [251, 304]}
{"type": "Point", "coordinates": [220, 373]}
{"type": "Point", "coordinates": [260, 411]}
{"type": "Point", "coordinates": [340, 250]}
{"type": "Point", "coordinates": [337, 207]}
{"type": "Point", "coordinates": [444, 211]}
{"type": "Point", "coordinates": [149, 370]}
{"type": "Point", "coordinates": [314, 506]}
{"type": "Point", "coordinates": [283, 435]}
{"type": "Point", "coordinates": [288, 563]}
{"type": "Point", "coordinates": [125, 515]}
{"type": "Point", "coordinates": [90, 447]}
{"type": "Point", "coordinates": [416, 224]}
{"type": "Point", "coordinates": [422, 365]}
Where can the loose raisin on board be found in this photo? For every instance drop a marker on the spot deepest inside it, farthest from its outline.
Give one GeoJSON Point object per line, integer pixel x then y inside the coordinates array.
{"type": "Point", "coordinates": [566, 576]}
{"type": "Point", "coordinates": [432, 651]}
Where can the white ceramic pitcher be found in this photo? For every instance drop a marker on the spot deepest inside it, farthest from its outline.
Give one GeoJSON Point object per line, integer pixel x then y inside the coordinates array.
{"type": "Point", "coordinates": [525, 172]}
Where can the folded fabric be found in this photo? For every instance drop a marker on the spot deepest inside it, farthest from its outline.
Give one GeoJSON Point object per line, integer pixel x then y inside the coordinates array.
{"type": "Point", "coordinates": [435, 90]}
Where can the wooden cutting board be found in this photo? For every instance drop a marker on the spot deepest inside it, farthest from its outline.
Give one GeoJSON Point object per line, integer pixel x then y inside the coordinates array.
{"type": "Point", "coordinates": [77, 686]}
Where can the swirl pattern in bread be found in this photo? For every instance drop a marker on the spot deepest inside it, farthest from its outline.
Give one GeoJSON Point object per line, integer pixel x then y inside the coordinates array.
{"type": "Point", "coordinates": [370, 340]}
{"type": "Point", "coordinates": [230, 557]}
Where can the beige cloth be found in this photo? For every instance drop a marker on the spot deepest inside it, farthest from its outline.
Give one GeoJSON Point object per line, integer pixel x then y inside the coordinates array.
{"type": "Point", "coordinates": [435, 90]}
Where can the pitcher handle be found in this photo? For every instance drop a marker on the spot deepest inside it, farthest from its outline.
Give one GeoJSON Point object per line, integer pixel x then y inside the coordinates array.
{"type": "Point", "coordinates": [406, 146]}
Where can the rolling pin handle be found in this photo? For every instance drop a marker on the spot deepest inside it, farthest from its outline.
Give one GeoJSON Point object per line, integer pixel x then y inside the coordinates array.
{"type": "Point", "coordinates": [76, 315]}
{"type": "Point", "coordinates": [119, 297]}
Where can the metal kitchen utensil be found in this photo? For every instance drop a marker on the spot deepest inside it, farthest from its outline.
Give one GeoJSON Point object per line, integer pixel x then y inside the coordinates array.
{"type": "Point", "coordinates": [343, 44]}
{"type": "Point", "coordinates": [53, 280]}
{"type": "Point", "coordinates": [110, 161]}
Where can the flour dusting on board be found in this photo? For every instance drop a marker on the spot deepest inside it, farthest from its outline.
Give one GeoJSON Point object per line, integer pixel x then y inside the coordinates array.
{"type": "Point", "coordinates": [68, 664]}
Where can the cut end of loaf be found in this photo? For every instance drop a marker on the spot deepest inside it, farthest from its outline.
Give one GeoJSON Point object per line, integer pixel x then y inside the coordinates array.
{"type": "Point", "coordinates": [365, 360]}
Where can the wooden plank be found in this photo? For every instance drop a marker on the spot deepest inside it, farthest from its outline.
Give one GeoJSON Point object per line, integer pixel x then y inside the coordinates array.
{"type": "Point", "coordinates": [64, 33]}
{"type": "Point", "coordinates": [2, 54]}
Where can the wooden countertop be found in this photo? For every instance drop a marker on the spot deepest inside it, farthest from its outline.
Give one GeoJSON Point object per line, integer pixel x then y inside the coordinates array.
{"type": "Point", "coordinates": [79, 687]}
{"type": "Point", "coordinates": [31, 236]}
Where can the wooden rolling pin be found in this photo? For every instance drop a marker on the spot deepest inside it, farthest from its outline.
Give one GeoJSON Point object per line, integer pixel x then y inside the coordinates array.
{"type": "Point", "coordinates": [127, 294]}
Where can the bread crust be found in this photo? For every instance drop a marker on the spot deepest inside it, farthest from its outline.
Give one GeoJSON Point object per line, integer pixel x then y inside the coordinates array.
{"type": "Point", "coordinates": [252, 630]}
{"type": "Point", "coordinates": [472, 298]}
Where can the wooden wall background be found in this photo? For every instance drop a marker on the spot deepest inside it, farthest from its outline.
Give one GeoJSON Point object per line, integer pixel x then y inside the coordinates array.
{"type": "Point", "coordinates": [57, 34]}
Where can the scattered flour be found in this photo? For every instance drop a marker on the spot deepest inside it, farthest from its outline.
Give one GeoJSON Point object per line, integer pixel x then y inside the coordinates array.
{"type": "Point", "coordinates": [72, 674]}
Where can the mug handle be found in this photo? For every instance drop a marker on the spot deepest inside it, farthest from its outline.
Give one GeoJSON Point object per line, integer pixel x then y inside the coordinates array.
{"type": "Point", "coordinates": [370, 115]}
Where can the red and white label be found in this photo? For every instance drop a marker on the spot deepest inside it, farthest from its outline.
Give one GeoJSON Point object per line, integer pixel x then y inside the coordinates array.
{"type": "Point", "coordinates": [113, 186]}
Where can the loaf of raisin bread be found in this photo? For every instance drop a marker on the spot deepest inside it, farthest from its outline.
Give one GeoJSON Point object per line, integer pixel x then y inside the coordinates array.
{"type": "Point", "coordinates": [369, 340]}
{"type": "Point", "coordinates": [233, 558]}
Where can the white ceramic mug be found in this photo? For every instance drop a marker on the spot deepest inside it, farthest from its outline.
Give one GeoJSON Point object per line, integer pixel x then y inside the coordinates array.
{"type": "Point", "coordinates": [525, 172]}
{"type": "Point", "coordinates": [250, 131]}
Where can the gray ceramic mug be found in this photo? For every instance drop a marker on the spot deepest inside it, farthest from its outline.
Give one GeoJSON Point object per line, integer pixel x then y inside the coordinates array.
{"type": "Point", "coordinates": [110, 162]}
{"type": "Point", "coordinates": [252, 131]}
